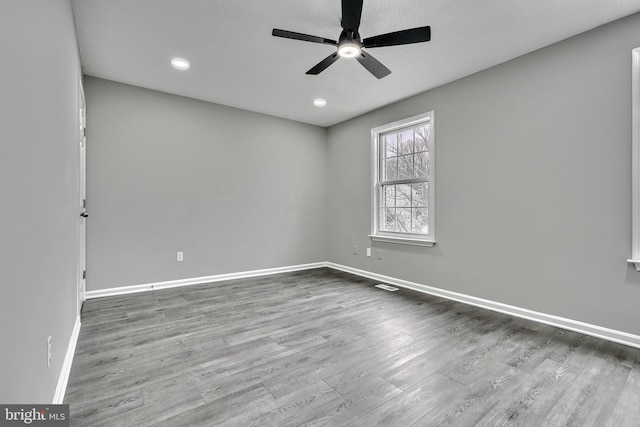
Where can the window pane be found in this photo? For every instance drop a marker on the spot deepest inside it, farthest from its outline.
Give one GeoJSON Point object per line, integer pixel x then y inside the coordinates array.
{"type": "Point", "coordinates": [391, 145]}
{"type": "Point", "coordinates": [403, 220]}
{"type": "Point", "coordinates": [390, 169]}
{"type": "Point", "coordinates": [419, 194]}
{"type": "Point", "coordinates": [421, 137]}
{"type": "Point", "coordinates": [421, 164]}
{"type": "Point", "coordinates": [405, 144]}
{"type": "Point", "coordinates": [389, 198]}
{"type": "Point", "coordinates": [419, 220]}
{"type": "Point", "coordinates": [405, 167]}
{"type": "Point", "coordinates": [388, 219]}
{"type": "Point", "coordinates": [403, 195]}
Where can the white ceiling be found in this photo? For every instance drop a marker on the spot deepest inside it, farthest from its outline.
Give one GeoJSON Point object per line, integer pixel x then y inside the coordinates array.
{"type": "Point", "coordinates": [236, 62]}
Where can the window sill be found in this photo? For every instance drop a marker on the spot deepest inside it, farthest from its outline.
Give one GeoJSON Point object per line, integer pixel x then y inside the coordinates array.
{"type": "Point", "coordinates": [403, 240]}
{"type": "Point", "coordinates": [635, 262]}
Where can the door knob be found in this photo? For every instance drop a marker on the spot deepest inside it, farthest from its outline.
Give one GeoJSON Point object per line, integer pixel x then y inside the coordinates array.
{"type": "Point", "coordinates": [84, 214]}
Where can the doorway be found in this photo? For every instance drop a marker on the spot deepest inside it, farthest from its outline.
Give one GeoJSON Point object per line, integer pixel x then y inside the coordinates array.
{"type": "Point", "coordinates": [82, 217]}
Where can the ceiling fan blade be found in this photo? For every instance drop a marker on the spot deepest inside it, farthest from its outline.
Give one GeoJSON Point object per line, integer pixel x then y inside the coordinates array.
{"type": "Point", "coordinates": [322, 65]}
{"type": "Point", "coordinates": [373, 65]}
{"type": "Point", "coordinates": [304, 37]}
{"type": "Point", "coordinates": [351, 14]}
{"type": "Point", "coordinates": [413, 35]}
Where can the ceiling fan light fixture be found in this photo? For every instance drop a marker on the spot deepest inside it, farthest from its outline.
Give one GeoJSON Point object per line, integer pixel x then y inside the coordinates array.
{"type": "Point", "coordinates": [180, 64]}
{"type": "Point", "coordinates": [349, 49]}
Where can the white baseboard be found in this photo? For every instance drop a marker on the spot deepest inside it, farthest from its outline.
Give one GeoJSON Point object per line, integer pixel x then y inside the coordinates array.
{"type": "Point", "coordinates": [549, 319]}
{"type": "Point", "coordinates": [63, 379]}
{"type": "Point", "coordinates": [560, 322]}
{"type": "Point", "coordinates": [200, 280]}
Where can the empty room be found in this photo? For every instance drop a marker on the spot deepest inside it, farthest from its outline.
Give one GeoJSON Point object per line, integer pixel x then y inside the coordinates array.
{"type": "Point", "coordinates": [296, 213]}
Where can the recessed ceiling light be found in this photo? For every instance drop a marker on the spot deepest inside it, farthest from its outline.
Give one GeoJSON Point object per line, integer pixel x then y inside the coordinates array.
{"type": "Point", "coordinates": [319, 102]}
{"type": "Point", "coordinates": [180, 64]}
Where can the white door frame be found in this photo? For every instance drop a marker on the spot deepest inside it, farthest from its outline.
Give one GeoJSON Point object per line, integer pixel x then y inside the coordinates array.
{"type": "Point", "coordinates": [82, 187]}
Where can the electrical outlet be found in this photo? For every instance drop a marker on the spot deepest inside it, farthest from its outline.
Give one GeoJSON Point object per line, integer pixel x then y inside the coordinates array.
{"type": "Point", "coordinates": [49, 352]}
{"type": "Point", "coordinates": [179, 256]}
{"type": "Point", "coordinates": [368, 251]}
{"type": "Point", "coordinates": [355, 249]}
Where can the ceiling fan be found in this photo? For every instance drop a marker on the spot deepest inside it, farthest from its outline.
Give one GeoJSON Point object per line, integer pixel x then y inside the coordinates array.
{"type": "Point", "coordinates": [349, 44]}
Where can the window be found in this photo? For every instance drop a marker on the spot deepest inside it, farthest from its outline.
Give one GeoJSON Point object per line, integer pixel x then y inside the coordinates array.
{"type": "Point", "coordinates": [403, 181]}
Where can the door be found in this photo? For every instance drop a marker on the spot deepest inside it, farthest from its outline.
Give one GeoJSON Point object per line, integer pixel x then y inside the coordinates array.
{"type": "Point", "coordinates": [82, 217]}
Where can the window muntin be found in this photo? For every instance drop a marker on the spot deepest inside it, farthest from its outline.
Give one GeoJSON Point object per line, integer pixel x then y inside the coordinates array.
{"type": "Point", "coordinates": [403, 179]}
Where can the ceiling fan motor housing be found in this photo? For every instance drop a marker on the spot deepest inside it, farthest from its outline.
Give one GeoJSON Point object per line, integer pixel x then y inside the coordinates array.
{"type": "Point", "coordinates": [352, 35]}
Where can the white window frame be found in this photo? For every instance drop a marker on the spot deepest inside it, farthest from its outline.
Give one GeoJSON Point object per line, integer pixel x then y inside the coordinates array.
{"type": "Point", "coordinates": [635, 159]}
{"type": "Point", "coordinates": [376, 192]}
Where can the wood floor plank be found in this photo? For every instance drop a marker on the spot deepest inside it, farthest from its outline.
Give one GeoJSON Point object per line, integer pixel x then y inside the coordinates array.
{"type": "Point", "coordinates": [531, 400]}
{"type": "Point", "coordinates": [381, 364]}
{"type": "Point", "coordinates": [102, 406]}
{"type": "Point", "coordinates": [468, 367]}
{"type": "Point", "coordinates": [284, 409]}
{"type": "Point", "coordinates": [597, 389]}
{"type": "Point", "coordinates": [363, 397]}
{"type": "Point", "coordinates": [626, 412]}
{"type": "Point", "coordinates": [434, 391]}
{"type": "Point", "coordinates": [327, 348]}
{"type": "Point", "coordinates": [478, 398]}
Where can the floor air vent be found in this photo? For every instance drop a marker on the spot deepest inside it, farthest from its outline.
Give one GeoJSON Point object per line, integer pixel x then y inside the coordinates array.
{"type": "Point", "coordinates": [386, 287]}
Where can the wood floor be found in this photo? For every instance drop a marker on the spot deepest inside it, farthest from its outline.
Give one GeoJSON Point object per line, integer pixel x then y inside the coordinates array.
{"type": "Point", "coordinates": [324, 348]}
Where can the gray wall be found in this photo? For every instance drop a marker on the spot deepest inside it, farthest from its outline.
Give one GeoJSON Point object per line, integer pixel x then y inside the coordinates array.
{"type": "Point", "coordinates": [533, 183]}
{"type": "Point", "coordinates": [234, 190]}
{"type": "Point", "coordinates": [39, 188]}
